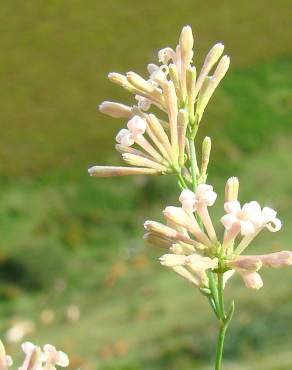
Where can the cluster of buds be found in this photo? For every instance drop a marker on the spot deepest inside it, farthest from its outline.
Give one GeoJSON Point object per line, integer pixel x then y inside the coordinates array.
{"type": "Point", "coordinates": [194, 248]}
{"type": "Point", "coordinates": [36, 358]}
{"type": "Point", "coordinates": [174, 87]}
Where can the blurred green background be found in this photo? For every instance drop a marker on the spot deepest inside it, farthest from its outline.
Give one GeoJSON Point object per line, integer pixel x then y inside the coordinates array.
{"type": "Point", "coordinates": [74, 270]}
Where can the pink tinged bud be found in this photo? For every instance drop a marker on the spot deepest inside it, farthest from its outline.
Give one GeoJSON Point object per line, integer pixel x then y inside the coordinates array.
{"type": "Point", "coordinates": [198, 262]}
{"type": "Point", "coordinates": [207, 222]}
{"type": "Point", "coordinates": [168, 232]}
{"type": "Point", "coordinates": [182, 248]}
{"type": "Point", "coordinates": [53, 357]}
{"type": "Point", "coordinates": [159, 145]}
{"type": "Point", "coordinates": [115, 110]}
{"type": "Point", "coordinates": [157, 240]}
{"type": "Point", "coordinates": [172, 110]}
{"type": "Point", "coordinates": [172, 260]}
{"type": "Point", "coordinates": [278, 259]}
{"type": "Point", "coordinates": [210, 60]}
{"type": "Point", "coordinates": [136, 160]}
{"type": "Point", "coordinates": [183, 272]}
{"type": "Point", "coordinates": [112, 171]}
{"type": "Point", "coordinates": [122, 81]}
{"type": "Point", "coordinates": [252, 280]}
{"type": "Point", "coordinates": [144, 87]}
{"type": "Point", "coordinates": [247, 263]}
{"type": "Point", "coordinates": [179, 217]}
{"type": "Point", "coordinates": [231, 189]}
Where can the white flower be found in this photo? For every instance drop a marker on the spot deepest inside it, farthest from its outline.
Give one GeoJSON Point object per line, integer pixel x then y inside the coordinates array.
{"type": "Point", "coordinates": [168, 54]}
{"type": "Point", "coordinates": [249, 218]}
{"type": "Point", "coordinates": [54, 357]}
{"type": "Point", "coordinates": [33, 358]}
{"type": "Point", "coordinates": [204, 196]}
{"type": "Point", "coordinates": [5, 360]}
{"type": "Point", "coordinates": [136, 127]}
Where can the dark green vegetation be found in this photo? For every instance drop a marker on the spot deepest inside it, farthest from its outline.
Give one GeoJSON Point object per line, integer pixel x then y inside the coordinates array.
{"type": "Point", "coordinates": [69, 240]}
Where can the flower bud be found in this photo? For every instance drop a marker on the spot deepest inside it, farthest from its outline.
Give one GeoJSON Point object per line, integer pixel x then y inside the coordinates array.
{"type": "Point", "coordinates": [252, 280]}
{"type": "Point", "coordinates": [115, 110]}
{"type": "Point", "coordinates": [186, 42]}
{"type": "Point", "coordinates": [206, 150]}
{"type": "Point", "coordinates": [136, 160]}
{"type": "Point", "coordinates": [171, 104]}
{"type": "Point", "coordinates": [172, 260]}
{"type": "Point", "coordinates": [191, 75]}
{"type": "Point", "coordinates": [182, 248]}
{"type": "Point", "coordinates": [210, 60]}
{"type": "Point", "coordinates": [231, 189]}
{"type": "Point", "coordinates": [122, 81]}
{"type": "Point", "coordinates": [247, 263]}
{"type": "Point", "coordinates": [278, 259]}
{"type": "Point", "coordinates": [182, 124]}
{"type": "Point", "coordinates": [111, 171]}
{"type": "Point", "coordinates": [157, 240]}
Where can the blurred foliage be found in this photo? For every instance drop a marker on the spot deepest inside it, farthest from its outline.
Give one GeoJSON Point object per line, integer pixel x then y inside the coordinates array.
{"type": "Point", "coordinates": [69, 240]}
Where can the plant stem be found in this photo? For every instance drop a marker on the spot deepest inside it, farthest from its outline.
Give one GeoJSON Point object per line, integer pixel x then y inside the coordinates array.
{"type": "Point", "coordinates": [220, 345]}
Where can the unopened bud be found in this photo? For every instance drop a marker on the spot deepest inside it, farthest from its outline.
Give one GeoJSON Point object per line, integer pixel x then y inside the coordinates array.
{"type": "Point", "coordinates": [186, 42]}
{"type": "Point", "coordinates": [157, 240]}
{"type": "Point", "coordinates": [122, 81]}
{"type": "Point", "coordinates": [252, 280]}
{"type": "Point", "coordinates": [182, 123]}
{"type": "Point", "coordinates": [206, 150]}
{"type": "Point", "coordinates": [278, 259]}
{"type": "Point", "coordinates": [247, 263]}
{"type": "Point", "coordinates": [210, 60]}
{"type": "Point", "coordinates": [172, 260]}
{"type": "Point", "coordinates": [231, 189]}
{"type": "Point", "coordinates": [136, 160]}
{"type": "Point", "coordinates": [115, 110]}
{"type": "Point", "coordinates": [111, 171]}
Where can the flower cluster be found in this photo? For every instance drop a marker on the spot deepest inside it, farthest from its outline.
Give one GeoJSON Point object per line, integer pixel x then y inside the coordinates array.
{"type": "Point", "coordinates": [193, 244]}
{"type": "Point", "coordinates": [36, 358]}
{"type": "Point", "coordinates": [175, 88]}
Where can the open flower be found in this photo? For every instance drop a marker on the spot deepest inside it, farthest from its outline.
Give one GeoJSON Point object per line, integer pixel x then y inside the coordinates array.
{"type": "Point", "coordinates": [53, 357]}
{"type": "Point", "coordinates": [204, 196]}
{"type": "Point", "coordinates": [136, 127]}
{"type": "Point", "coordinates": [5, 360]}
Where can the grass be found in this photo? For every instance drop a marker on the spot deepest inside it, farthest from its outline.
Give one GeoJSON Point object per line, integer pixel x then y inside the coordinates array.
{"type": "Point", "coordinates": [69, 240]}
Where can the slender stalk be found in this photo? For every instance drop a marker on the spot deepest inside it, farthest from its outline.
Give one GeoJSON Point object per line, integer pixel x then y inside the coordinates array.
{"type": "Point", "coordinates": [220, 347]}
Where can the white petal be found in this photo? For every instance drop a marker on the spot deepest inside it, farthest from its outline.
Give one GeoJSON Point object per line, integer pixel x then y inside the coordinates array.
{"type": "Point", "coordinates": [9, 361]}
{"type": "Point", "coordinates": [228, 220]}
{"type": "Point", "coordinates": [27, 347]}
{"type": "Point", "coordinates": [189, 205]}
{"type": "Point", "coordinates": [152, 68]}
{"type": "Point", "coordinates": [247, 227]}
{"type": "Point", "coordinates": [252, 207]}
{"type": "Point", "coordinates": [63, 359]}
{"type": "Point", "coordinates": [137, 125]}
{"type": "Point", "coordinates": [268, 213]}
{"type": "Point", "coordinates": [232, 207]}
{"type": "Point", "coordinates": [186, 194]}
{"type": "Point", "coordinates": [210, 197]}
{"type": "Point", "coordinates": [274, 226]}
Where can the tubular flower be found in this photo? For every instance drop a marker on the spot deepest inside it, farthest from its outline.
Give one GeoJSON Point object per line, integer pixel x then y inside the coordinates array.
{"type": "Point", "coordinates": [194, 251]}
{"type": "Point", "coordinates": [172, 87]}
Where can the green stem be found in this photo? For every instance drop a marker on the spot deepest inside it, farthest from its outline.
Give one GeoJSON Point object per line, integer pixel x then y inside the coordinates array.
{"type": "Point", "coordinates": [220, 346]}
{"type": "Point", "coordinates": [194, 164]}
